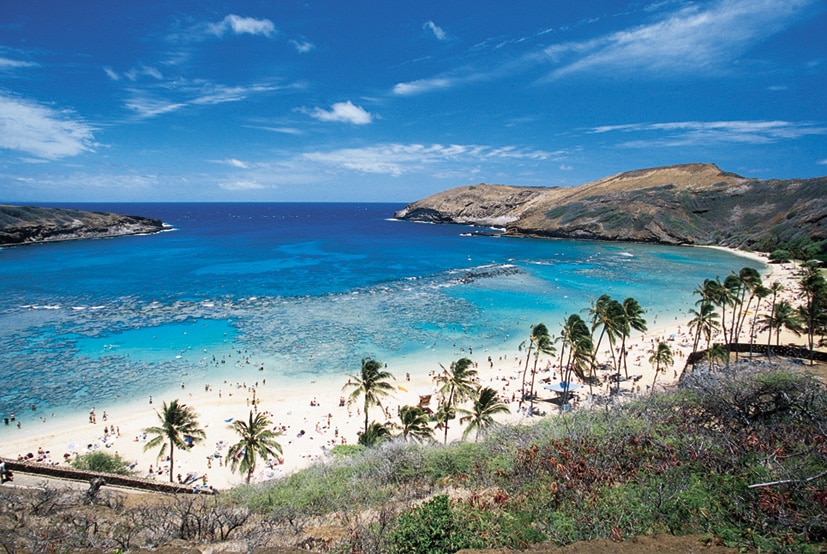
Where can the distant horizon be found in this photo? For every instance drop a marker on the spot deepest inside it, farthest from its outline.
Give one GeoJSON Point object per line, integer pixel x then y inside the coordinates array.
{"type": "Point", "coordinates": [337, 102]}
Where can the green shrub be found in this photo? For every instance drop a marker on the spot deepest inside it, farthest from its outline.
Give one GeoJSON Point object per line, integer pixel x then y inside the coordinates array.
{"type": "Point", "coordinates": [102, 462]}
{"type": "Point", "coordinates": [431, 528]}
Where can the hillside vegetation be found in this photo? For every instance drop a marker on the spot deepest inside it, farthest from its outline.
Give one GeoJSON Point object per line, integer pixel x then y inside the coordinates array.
{"type": "Point", "coordinates": [30, 224]}
{"type": "Point", "coordinates": [691, 204]}
{"type": "Point", "coordinates": [739, 455]}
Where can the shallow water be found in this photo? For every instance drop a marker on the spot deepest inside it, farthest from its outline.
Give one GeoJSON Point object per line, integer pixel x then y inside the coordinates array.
{"type": "Point", "coordinates": [304, 290]}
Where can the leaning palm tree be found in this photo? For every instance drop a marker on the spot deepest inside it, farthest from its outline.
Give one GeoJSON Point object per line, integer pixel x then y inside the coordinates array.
{"type": "Point", "coordinates": [372, 383]}
{"type": "Point", "coordinates": [415, 426]}
{"type": "Point", "coordinates": [481, 416]}
{"type": "Point", "coordinates": [661, 357]}
{"type": "Point", "coordinates": [256, 439]}
{"type": "Point", "coordinates": [456, 384]}
{"type": "Point", "coordinates": [178, 428]}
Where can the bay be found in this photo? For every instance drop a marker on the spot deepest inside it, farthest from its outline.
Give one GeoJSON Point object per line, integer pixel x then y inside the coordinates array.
{"type": "Point", "coordinates": [243, 292]}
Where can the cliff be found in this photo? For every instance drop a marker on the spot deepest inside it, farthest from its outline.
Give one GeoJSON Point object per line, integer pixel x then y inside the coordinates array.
{"type": "Point", "coordinates": [28, 224]}
{"type": "Point", "coordinates": [690, 204]}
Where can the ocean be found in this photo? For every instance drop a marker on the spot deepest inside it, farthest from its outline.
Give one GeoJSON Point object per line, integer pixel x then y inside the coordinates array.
{"type": "Point", "coordinates": [241, 292]}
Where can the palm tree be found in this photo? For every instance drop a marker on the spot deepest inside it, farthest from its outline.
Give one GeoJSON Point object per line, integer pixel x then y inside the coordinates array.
{"type": "Point", "coordinates": [179, 426]}
{"type": "Point", "coordinates": [545, 345]}
{"type": "Point", "coordinates": [256, 439]}
{"type": "Point", "coordinates": [415, 424]}
{"type": "Point", "coordinates": [786, 317]}
{"type": "Point", "coordinates": [376, 433]}
{"type": "Point", "coordinates": [661, 356]}
{"type": "Point", "coordinates": [750, 282]}
{"type": "Point", "coordinates": [605, 313]}
{"type": "Point", "coordinates": [539, 333]}
{"type": "Point", "coordinates": [814, 295]}
{"type": "Point", "coordinates": [704, 322]}
{"type": "Point", "coordinates": [372, 383]}
{"type": "Point", "coordinates": [577, 337]}
{"type": "Point", "coordinates": [776, 288]}
{"type": "Point", "coordinates": [717, 354]}
{"type": "Point", "coordinates": [761, 292]}
{"type": "Point", "coordinates": [631, 318]}
{"type": "Point", "coordinates": [456, 385]}
{"type": "Point", "coordinates": [481, 416]}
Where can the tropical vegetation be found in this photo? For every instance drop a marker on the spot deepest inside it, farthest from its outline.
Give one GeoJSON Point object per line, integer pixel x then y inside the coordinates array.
{"type": "Point", "coordinates": [178, 429]}
{"type": "Point", "coordinates": [256, 440]}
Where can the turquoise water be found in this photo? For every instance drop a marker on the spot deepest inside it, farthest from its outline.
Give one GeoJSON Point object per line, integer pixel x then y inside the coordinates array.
{"type": "Point", "coordinates": [304, 290]}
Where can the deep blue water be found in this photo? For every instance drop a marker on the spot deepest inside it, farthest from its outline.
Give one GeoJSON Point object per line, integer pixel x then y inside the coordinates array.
{"type": "Point", "coordinates": [303, 289]}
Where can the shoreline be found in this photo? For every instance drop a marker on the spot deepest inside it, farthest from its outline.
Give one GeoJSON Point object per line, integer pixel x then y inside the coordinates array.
{"type": "Point", "coordinates": [312, 405]}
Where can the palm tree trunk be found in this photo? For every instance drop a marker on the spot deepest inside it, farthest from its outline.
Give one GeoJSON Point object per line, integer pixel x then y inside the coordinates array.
{"type": "Point", "coordinates": [171, 459]}
{"type": "Point", "coordinates": [657, 370]}
{"type": "Point", "coordinates": [525, 370]}
{"type": "Point", "coordinates": [366, 415]}
{"type": "Point", "coordinates": [533, 376]}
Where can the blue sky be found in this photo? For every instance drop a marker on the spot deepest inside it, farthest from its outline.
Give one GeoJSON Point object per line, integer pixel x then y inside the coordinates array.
{"type": "Point", "coordinates": [392, 101]}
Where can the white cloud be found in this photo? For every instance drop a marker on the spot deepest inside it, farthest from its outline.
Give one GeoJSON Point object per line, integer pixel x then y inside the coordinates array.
{"type": "Point", "coordinates": [41, 131]}
{"type": "Point", "coordinates": [345, 112]}
{"type": "Point", "coordinates": [422, 85]}
{"type": "Point", "coordinates": [190, 93]}
{"type": "Point", "coordinates": [435, 29]}
{"type": "Point", "coordinates": [692, 133]}
{"type": "Point", "coordinates": [6, 63]}
{"type": "Point", "coordinates": [237, 163]}
{"type": "Point", "coordinates": [691, 40]}
{"type": "Point", "coordinates": [822, 162]}
{"type": "Point", "coordinates": [302, 46]}
{"type": "Point", "coordinates": [146, 107]}
{"type": "Point", "coordinates": [243, 25]}
{"type": "Point", "coordinates": [241, 185]}
{"type": "Point", "coordinates": [398, 159]}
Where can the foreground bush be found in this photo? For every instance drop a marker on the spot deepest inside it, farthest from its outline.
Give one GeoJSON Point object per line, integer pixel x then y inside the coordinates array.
{"type": "Point", "coordinates": [102, 462]}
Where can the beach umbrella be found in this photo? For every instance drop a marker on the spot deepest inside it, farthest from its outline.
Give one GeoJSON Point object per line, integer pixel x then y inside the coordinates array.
{"type": "Point", "coordinates": [562, 386]}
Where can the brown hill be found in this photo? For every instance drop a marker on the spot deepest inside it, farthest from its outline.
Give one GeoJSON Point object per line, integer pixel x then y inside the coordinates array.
{"type": "Point", "coordinates": [29, 224]}
{"type": "Point", "coordinates": [681, 204]}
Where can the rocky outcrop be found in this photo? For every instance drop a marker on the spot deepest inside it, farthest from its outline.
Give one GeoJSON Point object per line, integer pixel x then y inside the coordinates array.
{"type": "Point", "coordinates": [29, 224]}
{"type": "Point", "coordinates": [683, 204]}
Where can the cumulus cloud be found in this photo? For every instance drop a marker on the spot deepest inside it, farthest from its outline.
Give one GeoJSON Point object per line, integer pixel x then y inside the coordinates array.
{"type": "Point", "coordinates": [41, 131]}
{"type": "Point", "coordinates": [242, 25]}
{"type": "Point", "coordinates": [435, 29]}
{"type": "Point", "coordinates": [345, 112]}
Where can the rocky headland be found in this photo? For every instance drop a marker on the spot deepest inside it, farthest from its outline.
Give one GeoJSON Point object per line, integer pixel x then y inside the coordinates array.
{"type": "Point", "coordinates": [30, 224]}
{"type": "Point", "coordinates": [689, 204]}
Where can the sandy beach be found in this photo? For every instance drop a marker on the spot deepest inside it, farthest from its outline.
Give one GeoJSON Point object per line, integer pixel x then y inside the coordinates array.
{"type": "Point", "coordinates": [311, 415]}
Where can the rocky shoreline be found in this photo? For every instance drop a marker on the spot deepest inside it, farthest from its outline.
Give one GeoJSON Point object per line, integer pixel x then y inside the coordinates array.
{"type": "Point", "coordinates": [20, 225]}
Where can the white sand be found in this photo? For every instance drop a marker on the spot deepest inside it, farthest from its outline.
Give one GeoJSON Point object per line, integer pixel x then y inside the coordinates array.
{"type": "Point", "coordinates": [325, 424]}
